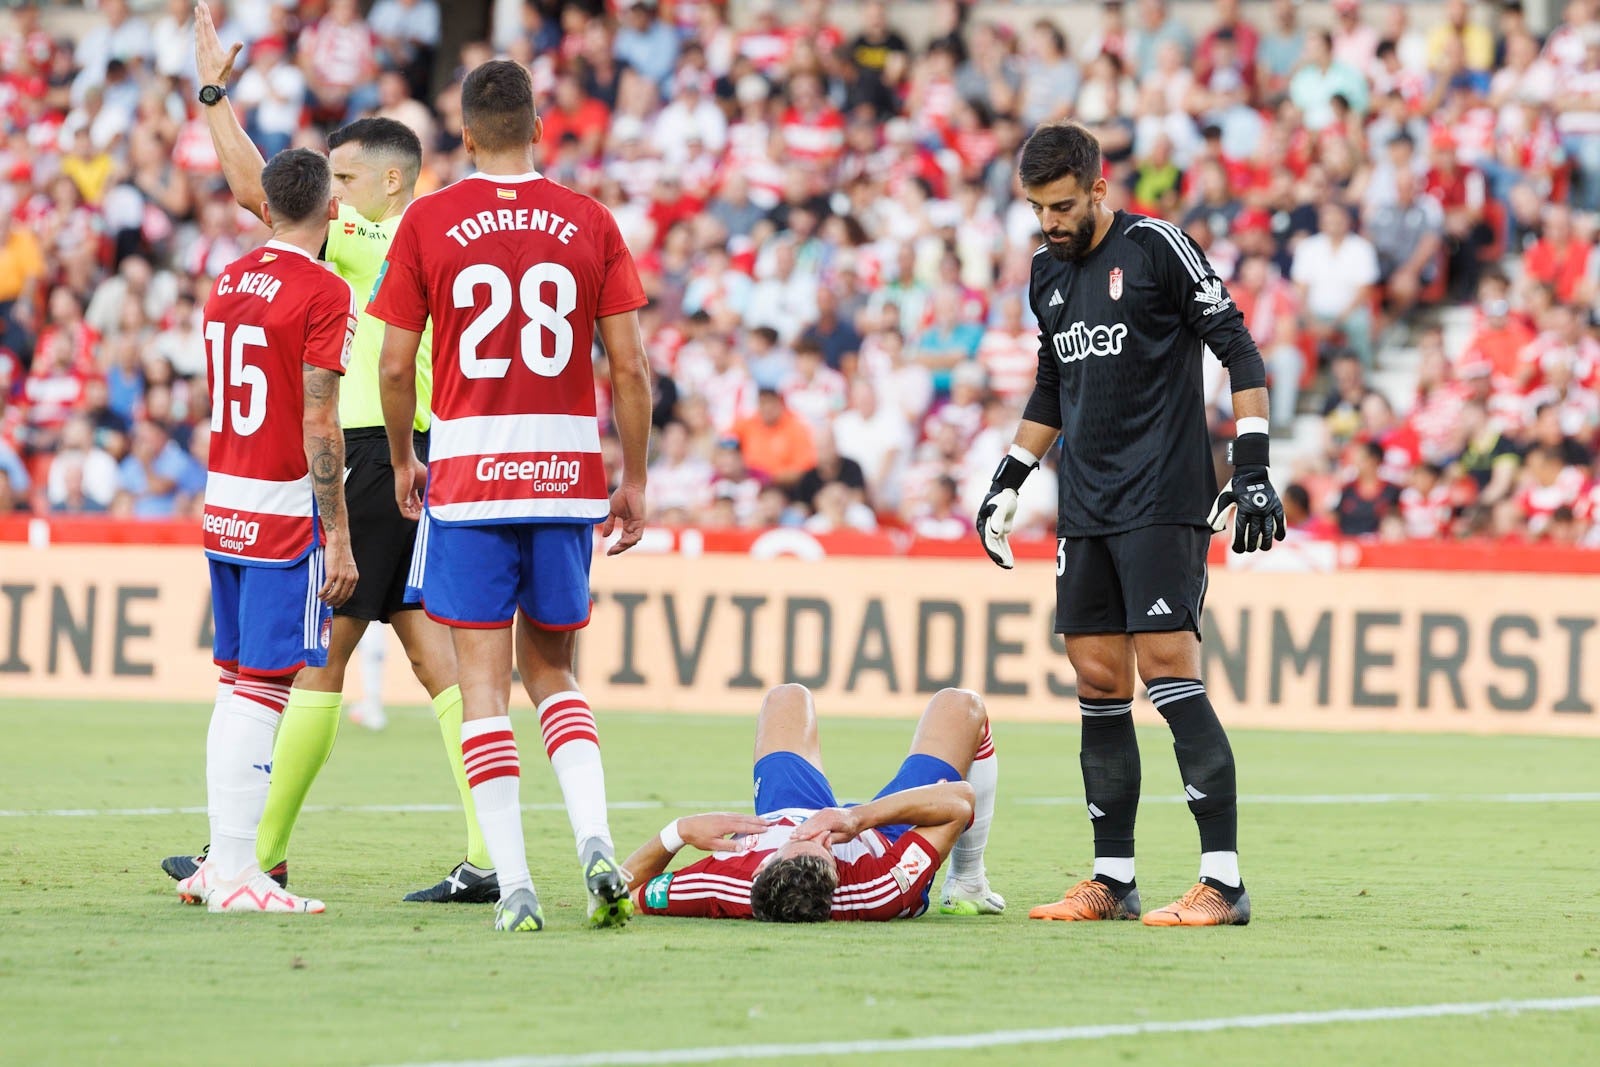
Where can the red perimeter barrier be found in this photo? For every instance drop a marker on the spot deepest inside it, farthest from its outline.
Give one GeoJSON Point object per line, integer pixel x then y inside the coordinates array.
{"type": "Point", "coordinates": [1294, 555]}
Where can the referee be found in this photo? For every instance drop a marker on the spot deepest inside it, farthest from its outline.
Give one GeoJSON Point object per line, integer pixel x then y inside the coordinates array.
{"type": "Point", "coordinates": [375, 165]}
{"type": "Point", "coordinates": [1127, 306]}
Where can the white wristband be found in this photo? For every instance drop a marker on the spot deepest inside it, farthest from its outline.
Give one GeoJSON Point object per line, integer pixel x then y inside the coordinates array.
{"type": "Point", "coordinates": [1023, 456]}
{"type": "Point", "coordinates": [1249, 424]}
{"type": "Point", "coordinates": [671, 840]}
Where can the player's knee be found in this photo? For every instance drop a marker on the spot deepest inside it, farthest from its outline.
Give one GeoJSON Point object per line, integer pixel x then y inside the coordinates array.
{"type": "Point", "coordinates": [964, 703]}
{"type": "Point", "coordinates": [788, 699]}
{"type": "Point", "coordinates": [428, 672]}
{"type": "Point", "coordinates": [1099, 679]}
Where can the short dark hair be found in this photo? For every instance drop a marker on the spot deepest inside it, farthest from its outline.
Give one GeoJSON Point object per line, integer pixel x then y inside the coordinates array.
{"type": "Point", "coordinates": [1056, 150]}
{"type": "Point", "coordinates": [297, 184]}
{"type": "Point", "coordinates": [797, 889]}
{"type": "Point", "coordinates": [497, 105]}
{"type": "Point", "coordinates": [383, 137]}
{"type": "Point", "coordinates": [1297, 495]}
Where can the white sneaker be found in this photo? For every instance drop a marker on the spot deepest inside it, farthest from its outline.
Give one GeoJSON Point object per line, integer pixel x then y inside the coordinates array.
{"type": "Point", "coordinates": [961, 898]}
{"type": "Point", "coordinates": [255, 892]}
{"type": "Point", "coordinates": [197, 887]}
{"type": "Point", "coordinates": [369, 714]}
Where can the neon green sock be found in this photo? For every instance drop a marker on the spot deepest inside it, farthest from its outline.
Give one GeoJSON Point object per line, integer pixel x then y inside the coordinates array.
{"type": "Point", "coordinates": [447, 709]}
{"type": "Point", "coordinates": [305, 741]}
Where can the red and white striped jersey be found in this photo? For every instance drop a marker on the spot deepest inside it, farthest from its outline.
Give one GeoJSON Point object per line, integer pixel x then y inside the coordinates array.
{"type": "Point", "coordinates": [269, 313]}
{"type": "Point", "coordinates": [514, 271]}
{"type": "Point", "coordinates": [878, 880]}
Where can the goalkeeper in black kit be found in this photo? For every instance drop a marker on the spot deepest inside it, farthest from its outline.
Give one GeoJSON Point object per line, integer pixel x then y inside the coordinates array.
{"type": "Point", "coordinates": [1127, 307]}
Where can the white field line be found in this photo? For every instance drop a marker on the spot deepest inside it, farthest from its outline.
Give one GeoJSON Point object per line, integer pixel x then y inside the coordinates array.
{"type": "Point", "coordinates": [1047, 1036]}
{"type": "Point", "coordinates": [743, 803]}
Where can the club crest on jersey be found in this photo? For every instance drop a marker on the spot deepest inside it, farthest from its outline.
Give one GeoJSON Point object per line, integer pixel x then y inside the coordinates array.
{"type": "Point", "coordinates": [1114, 283]}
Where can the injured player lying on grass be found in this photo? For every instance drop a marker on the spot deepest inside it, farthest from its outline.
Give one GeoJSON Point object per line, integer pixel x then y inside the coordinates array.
{"type": "Point", "coordinates": [804, 858]}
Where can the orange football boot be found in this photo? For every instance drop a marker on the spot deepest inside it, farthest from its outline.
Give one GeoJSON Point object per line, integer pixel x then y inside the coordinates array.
{"type": "Point", "coordinates": [1089, 901]}
{"type": "Point", "coordinates": [1204, 905]}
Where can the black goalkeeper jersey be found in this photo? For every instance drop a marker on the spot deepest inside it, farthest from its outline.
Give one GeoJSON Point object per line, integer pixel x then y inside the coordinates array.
{"type": "Point", "coordinates": [1121, 336]}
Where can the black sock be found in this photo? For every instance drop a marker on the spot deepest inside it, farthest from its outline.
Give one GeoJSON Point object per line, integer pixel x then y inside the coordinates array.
{"type": "Point", "coordinates": [1118, 889]}
{"type": "Point", "coordinates": [1204, 758]}
{"type": "Point", "coordinates": [1230, 893]}
{"type": "Point", "coordinates": [1110, 761]}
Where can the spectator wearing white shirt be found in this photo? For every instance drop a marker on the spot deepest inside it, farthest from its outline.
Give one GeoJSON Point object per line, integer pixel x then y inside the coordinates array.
{"type": "Point", "coordinates": [113, 35]}
{"type": "Point", "coordinates": [83, 477]}
{"type": "Point", "coordinates": [272, 92]}
{"type": "Point", "coordinates": [1336, 270]}
{"type": "Point", "coordinates": [395, 102]}
{"type": "Point", "coordinates": [878, 437]}
{"type": "Point", "coordinates": [679, 480]}
{"type": "Point", "coordinates": [813, 390]}
{"type": "Point", "coordinates": [182, 343]}
{"type": "Point", "coordinates": [691, 114]}
{"type": "Point", "coordinates": [408, 34]}
{"type": "Point", "coordinates": [783, 297]}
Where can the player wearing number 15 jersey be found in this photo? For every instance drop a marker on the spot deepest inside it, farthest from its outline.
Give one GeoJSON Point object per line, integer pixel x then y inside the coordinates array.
{"type": "Point", "coordinates": [518, 274]}
{"type": "Point", "coordinates": [277, 330]}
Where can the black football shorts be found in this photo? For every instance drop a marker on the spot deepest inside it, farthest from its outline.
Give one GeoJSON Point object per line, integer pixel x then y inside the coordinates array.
{"type": "Point", "coordinates": [1149, 580]}
{"type": "Point", "coordinates": [380, 537]}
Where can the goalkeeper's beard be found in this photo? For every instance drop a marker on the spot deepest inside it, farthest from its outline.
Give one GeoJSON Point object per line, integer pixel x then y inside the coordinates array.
{"type": "Point", "coordinates": [1076, 245]}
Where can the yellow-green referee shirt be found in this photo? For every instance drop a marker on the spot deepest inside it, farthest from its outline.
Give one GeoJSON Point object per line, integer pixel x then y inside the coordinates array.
{"type": "Point", "coordinates": [356, 249]}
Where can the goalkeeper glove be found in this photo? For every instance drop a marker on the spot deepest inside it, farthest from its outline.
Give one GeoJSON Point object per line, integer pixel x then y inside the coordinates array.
{"type": "Point", "coordinates": [1258, 518]}
{"type": "Point", "coordinates": [999, 510]}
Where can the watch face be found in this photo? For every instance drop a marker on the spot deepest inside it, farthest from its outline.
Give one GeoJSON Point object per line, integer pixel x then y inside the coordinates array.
{"type": "Point", "coordinates": [210, 94]}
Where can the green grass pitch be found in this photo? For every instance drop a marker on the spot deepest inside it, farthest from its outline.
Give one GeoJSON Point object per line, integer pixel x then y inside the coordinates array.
{"type": "Point", "coordinates": [1467, 896]}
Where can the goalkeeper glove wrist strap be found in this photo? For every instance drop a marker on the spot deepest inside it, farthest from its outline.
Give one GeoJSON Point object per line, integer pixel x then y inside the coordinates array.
{"type": "Point", "coordinates": [1015, 468]}
{"type": "Point", "coordinates": [1249, 450]}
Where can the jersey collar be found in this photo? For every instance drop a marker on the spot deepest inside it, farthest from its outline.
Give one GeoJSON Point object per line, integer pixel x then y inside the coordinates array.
{"type": "Point", "coordinates": [508, 179]}
{"type": "Point", "coordinates": [282, 246]}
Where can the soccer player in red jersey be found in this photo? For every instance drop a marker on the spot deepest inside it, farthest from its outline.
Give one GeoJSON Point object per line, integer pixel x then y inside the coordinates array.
{"type": "Point", "coordinates": [277, 330]}
{"type": "Point", "coordinates": [803, 858]}
{"type": "Point", "coordinates": [518, 275]}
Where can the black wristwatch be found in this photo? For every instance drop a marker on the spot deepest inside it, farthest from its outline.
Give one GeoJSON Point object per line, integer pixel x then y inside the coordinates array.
{"type": "Point", "coordinates": [210, 94]}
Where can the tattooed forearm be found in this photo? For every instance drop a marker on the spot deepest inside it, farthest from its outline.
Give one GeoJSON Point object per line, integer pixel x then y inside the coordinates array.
{"type": "Point", "coordinates": [324, 445]}
{"type": "Point", "coordinates": [326, 457]}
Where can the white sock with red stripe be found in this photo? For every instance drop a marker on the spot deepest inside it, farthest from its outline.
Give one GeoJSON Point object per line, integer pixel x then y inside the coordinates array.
{"type": "Point", "coordinates": [573, 745]}
{"type": "Point", "coordinates": [219, 710]}
{"type": "Point", "coordinates": [489, 753]}
{"type": "Point", "coordinates": [966, 859]}
{"type": "Point", "coordinates": [239, 768]}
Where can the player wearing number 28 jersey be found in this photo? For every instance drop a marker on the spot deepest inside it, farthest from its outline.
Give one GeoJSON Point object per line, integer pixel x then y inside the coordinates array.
{"type": "Point", "coordinates": [514, 269]}
{"type": "Point", "coordinates": [518, 275]}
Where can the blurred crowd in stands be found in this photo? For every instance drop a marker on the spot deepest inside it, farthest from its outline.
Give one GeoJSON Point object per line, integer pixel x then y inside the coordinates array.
{"type": "Point", "coordinates": [836, 248]}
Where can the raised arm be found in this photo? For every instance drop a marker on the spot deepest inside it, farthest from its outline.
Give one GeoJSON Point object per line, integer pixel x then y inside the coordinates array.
{"type": "Point", "coordinates": [324, 444]}
{"type": "Point", "coordinates": [241, 162]}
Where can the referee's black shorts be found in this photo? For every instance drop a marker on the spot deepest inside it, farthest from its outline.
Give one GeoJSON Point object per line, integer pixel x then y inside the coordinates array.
{"type": "Point", "coordinates": [1149, 580]}
{"type": "Point", "coordinates": [380, 537]}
